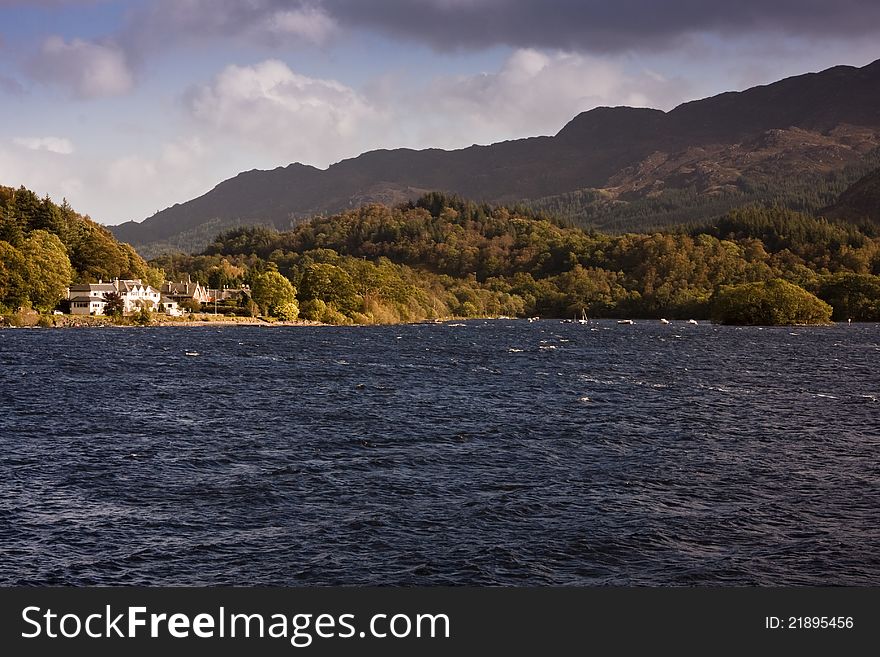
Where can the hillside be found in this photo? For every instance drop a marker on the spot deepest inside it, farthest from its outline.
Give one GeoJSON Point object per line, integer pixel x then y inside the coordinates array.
{"type": "Point", "coordinates": [628, 167]}
{"type": "Point", "coordinates": [44, 247]}
{"type": "Point", "coordinates": [441, 256]}
{"type": "Point", "coordinates": [859, 203]}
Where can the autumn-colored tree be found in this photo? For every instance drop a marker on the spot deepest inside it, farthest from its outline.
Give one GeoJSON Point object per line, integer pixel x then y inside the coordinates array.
{"type": "Point", "coordinates": [13, 272]}
{"type": "Point", "coordinates": [48, 269]}
{"type": "Point", "coordinates": [272, 292]}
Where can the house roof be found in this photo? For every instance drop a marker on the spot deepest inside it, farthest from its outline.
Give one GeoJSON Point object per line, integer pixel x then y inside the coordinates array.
{"type": "Point", "coordinates": [93, 287]}
{"type": "Point", "coordinates": [187, 288]}
{"type": "Point", "coordinates": [85, 298]}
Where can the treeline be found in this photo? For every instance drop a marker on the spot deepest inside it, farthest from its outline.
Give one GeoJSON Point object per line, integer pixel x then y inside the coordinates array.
{"type": "Point", "coordinates": [442, 256]}
{"type": "Point", "coordinates": [44, 247]}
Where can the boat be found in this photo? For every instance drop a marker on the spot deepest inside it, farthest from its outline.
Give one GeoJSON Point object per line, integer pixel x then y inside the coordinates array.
{"type": "Point", "coordinates": [692, 321]}
{"type": "Point", "coordinates": [583, 319]}
{"type": "Point", "coordinates": [534, 319]}
{"type": "Point", "coordinates": [625, 321]}
{"type": "Point", "coordinates": [664, 321]}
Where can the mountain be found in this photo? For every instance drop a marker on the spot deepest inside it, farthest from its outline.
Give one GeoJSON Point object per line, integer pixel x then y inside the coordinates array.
{"type": "Point", "coordinates": [609, 167]}
{"type": "Point", "coordinates": [861, 202]}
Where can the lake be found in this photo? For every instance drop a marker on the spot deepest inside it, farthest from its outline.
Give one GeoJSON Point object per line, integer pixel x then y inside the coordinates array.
{"type": "Point", "coordinates": [481, 452]}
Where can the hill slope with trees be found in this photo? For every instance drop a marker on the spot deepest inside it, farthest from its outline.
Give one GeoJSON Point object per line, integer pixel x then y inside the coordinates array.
{"type": "Point", "coordinates": [44, 247]}
{"type": "Point", "coordinates": [860, 202]}
{"type": "Point", "coordinates": [799, 142]}
{"type": "Point", "coordinates": [441, 256]}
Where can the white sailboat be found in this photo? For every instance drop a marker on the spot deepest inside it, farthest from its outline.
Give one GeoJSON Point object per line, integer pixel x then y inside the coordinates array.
{"type": "Point", "coordinates": [583, 319]}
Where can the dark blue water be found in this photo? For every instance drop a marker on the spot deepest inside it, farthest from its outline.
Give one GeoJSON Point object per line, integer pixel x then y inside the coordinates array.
{"type": "Point", "coordinates": [487, 453]}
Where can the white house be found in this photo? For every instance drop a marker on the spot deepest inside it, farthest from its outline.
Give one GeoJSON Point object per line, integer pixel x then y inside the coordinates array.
{"type": "Point", "coordinates": [169, 307]}
{"type": "Point", "coordinates": [87, 305]}
{"type": "Point", "coordinates": [89, 298]}
{"type": "Point", "coordinates": [136, 295]}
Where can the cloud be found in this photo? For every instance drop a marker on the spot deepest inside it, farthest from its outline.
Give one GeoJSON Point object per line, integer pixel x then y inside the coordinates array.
{"type": "Point", "coordinates": [86, 69]}
{"type": "Point", "coordinates": [132, 173]}
{"type": "Point", "coordinates": [41, 171]}
{"type": "Point", "coordinates": [594, 26]}
{"type": "Point", "coordinates": [306, 23]}
{"type": "Point", "coordinates": [533, 93]}
{"type": "Point", "coordinates": [270, 23]}
{"type": "Point", "coordinates": [291, 115]}
{"type": "Point", "coordinates": [47, 3]}
{"type": "Point", "coordinates": [270, 109]}
{"type": "Point", "coordinates": [598, 25]}
{"type": "Point", "coordinates": [116, 189]}
{"type": "Point", "coordinates": [57, 145]}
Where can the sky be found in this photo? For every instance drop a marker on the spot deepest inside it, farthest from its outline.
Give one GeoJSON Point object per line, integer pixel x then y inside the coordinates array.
{"type": "Point", "coordinates": [126, 107]}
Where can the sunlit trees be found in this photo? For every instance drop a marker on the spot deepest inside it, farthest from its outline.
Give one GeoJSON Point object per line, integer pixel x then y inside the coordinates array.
{"type": "Point", "coordinates": [769, 303]}
{"type": "Point", "coordinates": [13, 283]}
{"type": "Point", "coordinates": [91, 250]}
{"type": "Point", "coordinates": [47, 269]}
{"type": "Point", "coordinates": [273, 293]}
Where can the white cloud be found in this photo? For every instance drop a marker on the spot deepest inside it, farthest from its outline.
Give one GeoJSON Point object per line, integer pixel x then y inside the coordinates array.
{"type": "Point", "coordinates": [86, 69]}
{"type": "Point", "coordinates": [274, 111]}
{"type": "Point", "coordinates": [293, 116]}
{"type": "Point", "coordinates": [177, 172]}
{"type": "Point", "coordinates": [117, 189]}
{"type": "Point", "coordinates": [176, 161]}
{"type": "Point", "coordinates": [58, 145]}
{"type": "Point", "coordinates": [43, 172]}
{"type": "Point", "coordinates": [268, 115]}
{"type": "Point", "coordinates": [536, 93]}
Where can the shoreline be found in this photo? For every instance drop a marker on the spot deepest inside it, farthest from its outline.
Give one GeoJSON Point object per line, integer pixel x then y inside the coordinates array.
{"type": "Point", "coordinates": [94, 322]}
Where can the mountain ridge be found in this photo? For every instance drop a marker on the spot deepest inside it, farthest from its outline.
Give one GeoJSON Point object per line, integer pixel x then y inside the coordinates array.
{"type": "Point", "coordinates": [828, 120]}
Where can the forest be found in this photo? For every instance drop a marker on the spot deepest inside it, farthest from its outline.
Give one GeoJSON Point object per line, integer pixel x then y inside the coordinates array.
{"type": "Point", "coordinates": [442, 256]}
{"type": "Point", "coordinates": [44, 247]}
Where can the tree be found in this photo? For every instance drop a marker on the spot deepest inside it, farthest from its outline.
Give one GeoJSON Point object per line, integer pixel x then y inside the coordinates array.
{"type": "Point", "coordinates": [153, 276]}
{"type": "Point", "coordinates": [190, 305]}
{"type": "Point", "coordinates": [853, 296]}
{"type": "Point", "coordinates": [48, 269]}
{"type": "Point", "coordinates": [115, 304]}
{"type": "Point", "coordinates": [143, 317]}
{"type": "Point", "coordinates": [288, 311]}
{"type": "Point", "coordinates": [769, 303]}
{"type": "Point", "coordinates": [272, 292]}
{"type": "Point", "coordinates": [331, 285]}
{"type": "Point", "coordinates": [13, 272]}
{"type": "Point", "coordinates": [224, 274]}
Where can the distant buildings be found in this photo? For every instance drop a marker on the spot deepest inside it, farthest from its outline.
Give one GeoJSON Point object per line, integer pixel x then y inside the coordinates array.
{"type": "Point", "coordinates": [92, 298]}
{"type": "Point", "coordinates": [185, 291]}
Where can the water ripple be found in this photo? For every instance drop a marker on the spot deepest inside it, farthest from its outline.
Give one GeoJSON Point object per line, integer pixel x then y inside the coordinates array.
{"type": "Point", "coordinates": [507, 453]}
